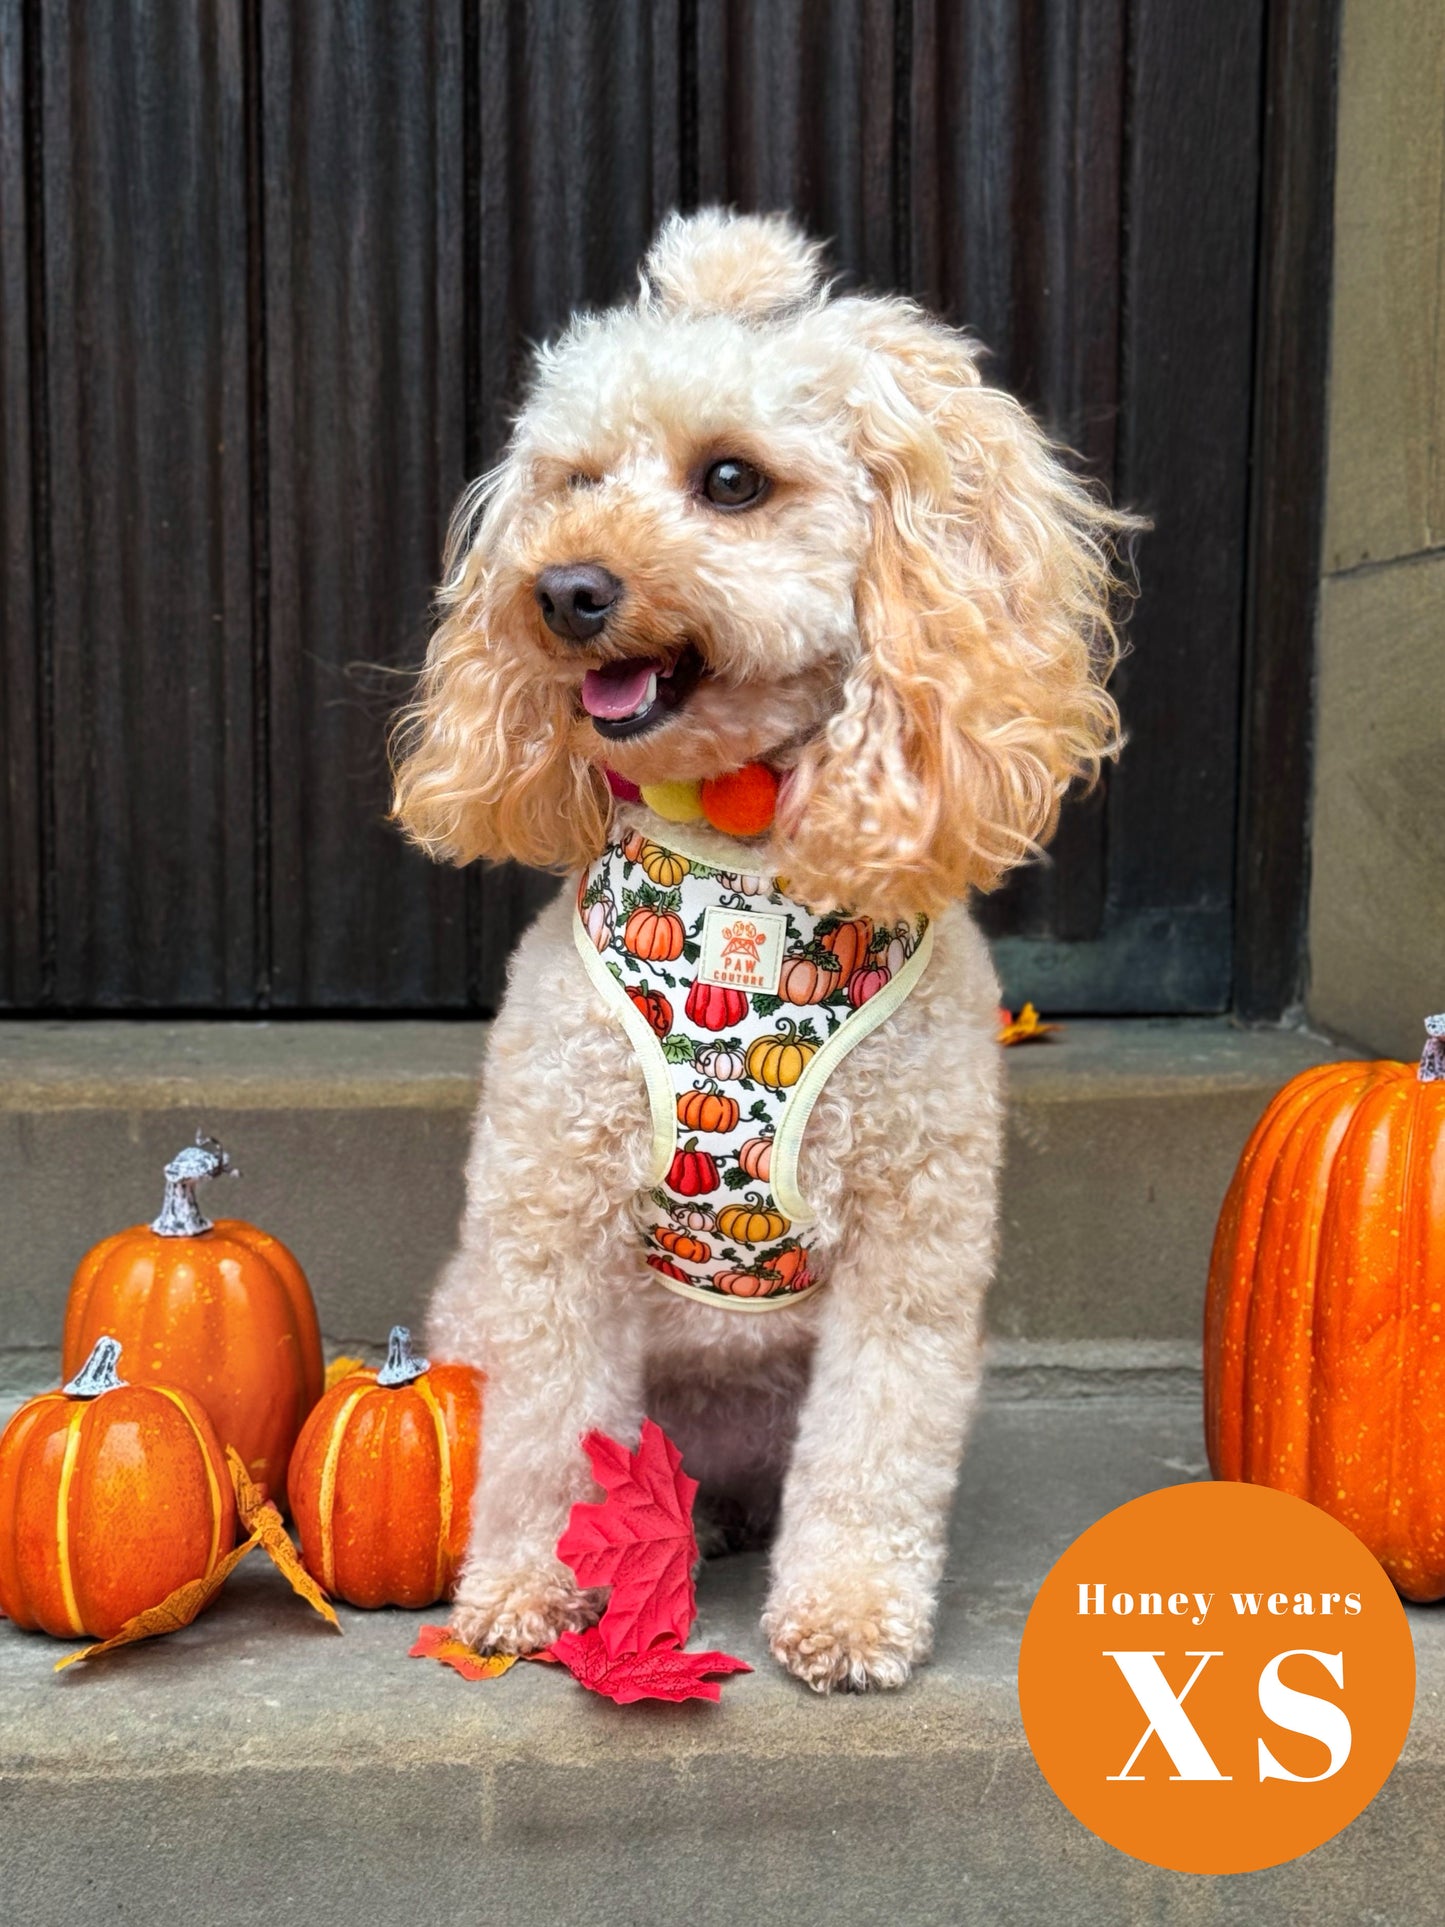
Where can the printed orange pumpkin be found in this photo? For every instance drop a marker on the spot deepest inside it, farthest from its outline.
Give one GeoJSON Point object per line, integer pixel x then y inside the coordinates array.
{"type": "Point", "coordinates": [381, 1480]}
{"type": "Point", "coordinates": [1325, 1320]}
{"type": "Point", "coordinates": [703, 1110]}
{"type": "Point", "coordinates": [111, 1496]}
{"type": "Point", "coordinates": [221, 1310]}
{"type": "Point", "coordinates": [682, 1244]}
{"type": "Point", "coordinates": [743, 1284]}
{"type": "Point", "coordinates": [751, 1222]}
{"type": "Point", "coordinates": [789, 1267]}
{"type": "Point", "coordinates": [849, 941]}
{"type": "Point", "coordinates": [657, 936]}
{"type": "Point", "coordinates": [808, 976]}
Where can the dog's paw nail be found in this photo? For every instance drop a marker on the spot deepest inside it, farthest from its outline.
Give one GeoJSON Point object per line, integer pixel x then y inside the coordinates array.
{"type": "Point", "coordinates": [851, 1644]}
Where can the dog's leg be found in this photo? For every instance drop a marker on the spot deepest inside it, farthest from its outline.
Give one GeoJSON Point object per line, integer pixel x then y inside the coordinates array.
{"type": "Point", "coordinates": [895, 1380]}
{"type": "Point", "coordinates": [543, 1297]}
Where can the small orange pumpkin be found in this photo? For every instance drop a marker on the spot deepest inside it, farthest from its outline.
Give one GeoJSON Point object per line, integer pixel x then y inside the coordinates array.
{"type": "Point", "coordinates": [1324, 1342]}
{"type": "Point", "coordinates": [704, 1110]}
{"type": "Point", "coordinates": [657, 936]}
{"type": "Point", "coordinates": [654, 1007]}
{"type": "Point", "coordinates": [111, 1496]}
{"type": "Point", "coordinates": [756, 1157]}
{"type": "Point", "coordinates": [752, 1222]}
{"type": "Point", "coordinates": [221, 1310]}
{"type": "Point", "coordinates": [808, 979]}
{"type": "Point", "coordinates": [742, 1284]}
{"type": "Point", "coordinates": [682, 1244]}
{"type": "Point", "coordinates": [849, 940]}
{"type": "Point", "coordinates": [381, 1480]}
{"type": "Point", "coordinates": [789, 1266]}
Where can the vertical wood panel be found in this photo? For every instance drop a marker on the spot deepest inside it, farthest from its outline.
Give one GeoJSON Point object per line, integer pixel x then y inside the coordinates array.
{"type": "Point", "coordinates": [362, 211]}
{"type": "Point", "coordinates": [1184, 451]}
{"type": "Point", "coordinates": [796, 110]}
{"type": "Point", "coordinates": [146, 427]}
{"type": "Point", "coordinates": [21, 958]}
{"type": "Point", "coordinates": [1016, 153]}
{"type": "Point", "coordinates": [579, 118]}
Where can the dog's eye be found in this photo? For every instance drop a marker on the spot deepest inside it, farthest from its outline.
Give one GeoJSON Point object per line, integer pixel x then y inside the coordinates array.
{"type": "Point", "coordinates": [733, 484]}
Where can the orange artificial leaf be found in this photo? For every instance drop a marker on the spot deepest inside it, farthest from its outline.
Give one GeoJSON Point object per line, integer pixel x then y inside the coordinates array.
{"type": "Point", "coordinates": [264, 1523]}
{"type": "Point", "coordinates": [1026, 1028]}
{"type": "Point", "coordinates": [340, 1368]}
{"type": "Point", "coordinates": [441, 1643]}
{"type": "Point", "coordinates": [177, 1609]}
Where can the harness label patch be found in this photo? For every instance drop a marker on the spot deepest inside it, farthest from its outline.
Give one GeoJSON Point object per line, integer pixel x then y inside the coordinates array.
{"type": "Point", "coordinates": [743, 950]}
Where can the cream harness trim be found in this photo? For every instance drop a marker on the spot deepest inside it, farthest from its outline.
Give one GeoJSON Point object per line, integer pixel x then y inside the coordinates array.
{"type": "Point", "coordinates": [740, 1003]}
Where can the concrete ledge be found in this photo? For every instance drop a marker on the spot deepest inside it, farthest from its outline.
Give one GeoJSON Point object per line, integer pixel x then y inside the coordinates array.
{"type": "Point", "coordinates": [351, 1138]}
{"type": "Point", "coordinates": [389, 1792]}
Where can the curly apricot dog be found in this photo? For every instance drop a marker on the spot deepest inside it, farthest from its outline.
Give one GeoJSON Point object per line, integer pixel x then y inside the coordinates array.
{"type": "Point", "coordinates": [735, 1163]}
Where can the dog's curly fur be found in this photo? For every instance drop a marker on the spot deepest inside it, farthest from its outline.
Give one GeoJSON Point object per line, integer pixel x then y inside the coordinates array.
{"type": "Point", "coordinates": [913, 622]}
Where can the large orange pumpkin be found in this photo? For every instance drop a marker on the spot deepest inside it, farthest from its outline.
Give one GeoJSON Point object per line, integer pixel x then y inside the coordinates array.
{"type": "Point", "coordinates": [221, 1310]}
{"type": "Point", "coordinates": [1325, 1323]}
{"type": "Point", "coordinates": [381, 1480]}
{"type": "Point", "coordinates": [111, 1496]}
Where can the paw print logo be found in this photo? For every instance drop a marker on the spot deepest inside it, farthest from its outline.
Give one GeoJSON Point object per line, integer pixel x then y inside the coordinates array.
{"type": "Point", "coordinates": [743, 939]}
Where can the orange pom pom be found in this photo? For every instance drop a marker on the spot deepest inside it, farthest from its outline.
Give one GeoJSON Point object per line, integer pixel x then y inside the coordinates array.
{"type": "Point", "coordinates": [743, 803]}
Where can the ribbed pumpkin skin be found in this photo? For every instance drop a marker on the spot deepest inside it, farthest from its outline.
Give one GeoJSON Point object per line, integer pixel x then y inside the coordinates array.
{"type": "Point", "coordinates": [227, 1316]}
{"type": "Point", "coordinates": [1325, 1321]}
{"type": "Point", "coordinates": [381, 1486]}
{"type": "Point", "coordinates": [143, 1505]}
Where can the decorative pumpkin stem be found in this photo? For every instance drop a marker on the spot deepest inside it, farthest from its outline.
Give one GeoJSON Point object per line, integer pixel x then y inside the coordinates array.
{"type": "Point", "coordinates": [402, 1364]}
{"type": "Point", "coordinates": [181, 1216]}
{"type": "Point", "coordinates": [98, 1373]}
{"type": "Point", "coordinates": [1432, 1058]}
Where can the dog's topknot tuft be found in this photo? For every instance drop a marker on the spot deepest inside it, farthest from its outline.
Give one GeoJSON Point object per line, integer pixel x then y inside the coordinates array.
{"type": "Point", "coordinates": [718, 262]}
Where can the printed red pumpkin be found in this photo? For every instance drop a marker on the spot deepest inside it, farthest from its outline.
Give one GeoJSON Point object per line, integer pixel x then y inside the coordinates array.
{"type": "Point", "coordinates": [111, 1496]}
{"type": "Point", "coordinates": [693, 1173]}
{"type": "Point", "coordinates": [223, 1311]}
{"type": "Point", "coordinates": [669, 1269]}
{"type": "Point", "coordinates": [1325, 1320]}
{"type": "Point", "coordinates": [654, 1007]}
{"type": "Point", "coordinates": [381, 1480]}
{"type": "Point", "coordinates": [716, 1006]}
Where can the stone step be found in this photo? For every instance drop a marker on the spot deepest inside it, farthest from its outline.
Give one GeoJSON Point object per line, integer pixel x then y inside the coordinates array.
{"type": "Point", "coordinates": [351, 1137]}
{"type": "Point", "coordinates": [258, 1767]}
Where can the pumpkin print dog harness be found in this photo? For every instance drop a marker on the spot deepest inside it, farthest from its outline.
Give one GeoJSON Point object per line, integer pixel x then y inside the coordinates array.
{"type": "Point", "coordinates": [740, 1003]}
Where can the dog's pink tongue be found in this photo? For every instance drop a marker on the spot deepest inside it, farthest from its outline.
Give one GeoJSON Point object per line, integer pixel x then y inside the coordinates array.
{"type": "Point", "coordinates": [617, 689]}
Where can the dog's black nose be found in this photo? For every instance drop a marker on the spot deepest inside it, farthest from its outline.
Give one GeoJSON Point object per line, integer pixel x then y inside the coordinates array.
{"type": "Point", "coordinates": [576, 598]}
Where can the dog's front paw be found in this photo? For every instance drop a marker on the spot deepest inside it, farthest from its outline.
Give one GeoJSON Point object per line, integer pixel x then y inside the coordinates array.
{"type": "Point", "coordinates": [843, 1635]}
{"type": "Point", "coordinates": [519, 1610]}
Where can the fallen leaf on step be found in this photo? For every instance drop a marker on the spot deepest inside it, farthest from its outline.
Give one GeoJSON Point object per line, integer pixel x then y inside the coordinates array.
{"type": "Point", "coordinates": [264, 1523]}
{"type": "Point", "coordinates": [177, 1609]}
{"type": "Point", "coordinates": [441, 1643]}
{"type": "Point", "coordinates": [639, 1541]}
{"type": "Point", "coordinates": [662, 1673]}
{"type": "Point", "coordinates": [1026, 1028]}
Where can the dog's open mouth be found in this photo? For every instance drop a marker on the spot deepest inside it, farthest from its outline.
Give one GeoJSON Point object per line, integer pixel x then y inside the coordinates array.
{"type": "Point", "coordinates": [625, 698]}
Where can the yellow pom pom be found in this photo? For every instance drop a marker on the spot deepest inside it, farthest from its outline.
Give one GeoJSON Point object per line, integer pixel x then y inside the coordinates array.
{"type": "Point", "coordinates": [674, 802]}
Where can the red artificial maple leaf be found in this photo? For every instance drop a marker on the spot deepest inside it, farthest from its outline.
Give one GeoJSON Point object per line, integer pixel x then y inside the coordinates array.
{"type": "Point", "coordinates": [661, 1673]}
{"type": "Point", "coordinates": [639, 1541]}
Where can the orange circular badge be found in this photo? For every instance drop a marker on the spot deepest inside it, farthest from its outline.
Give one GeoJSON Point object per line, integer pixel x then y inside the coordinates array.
{"type": "Point", "coordinates": [1216, 1678]}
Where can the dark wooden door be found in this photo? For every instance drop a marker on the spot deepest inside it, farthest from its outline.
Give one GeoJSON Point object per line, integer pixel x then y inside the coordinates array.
{"type": "Point", "coordinates": [267, 276]}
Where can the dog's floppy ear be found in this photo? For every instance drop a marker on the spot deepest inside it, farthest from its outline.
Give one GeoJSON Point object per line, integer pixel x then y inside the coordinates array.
{"type": "Point", "coordinates": [983, 612]}
{"type": "Point", "coordinates": [482, 759]}
{"type": "Point", "coordinates": [718, 262]}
